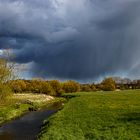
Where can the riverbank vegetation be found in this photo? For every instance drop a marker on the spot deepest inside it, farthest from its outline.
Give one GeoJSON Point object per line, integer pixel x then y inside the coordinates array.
{"type": "Point", "coordinates": [18, 104]}
{"type": "Point", "coordinates": [104, 115]}
{"type": "Point", "coordinates": [94, 113]}
{"type": "Point", "coordinates": [56, 88]}
{"type": "Point", "coordinates": [6, 73]}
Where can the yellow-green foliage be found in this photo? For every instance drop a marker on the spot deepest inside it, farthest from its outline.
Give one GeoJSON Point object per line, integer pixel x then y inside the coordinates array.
{"type": "Point", "coordinates": [71, 86]}
{"type": "Point", "coordinates": [5, 71]}
{"type": "Point", "coordinates": [87, 87]}
{"type": "Point", "coordinates": [96, 116]}
{"type": "Point", "coordinates": [108, 84]}
{"type": "Point", "coordinates": [5, 92]}
{"type": "Point", "coordinates": [32, 86]}
{"type": "Point", "coordinates": [18, 86]}
{"type": "Point", "coordinates": [5, 75]}
{"type": "Point", "coordinates": [56, 86]}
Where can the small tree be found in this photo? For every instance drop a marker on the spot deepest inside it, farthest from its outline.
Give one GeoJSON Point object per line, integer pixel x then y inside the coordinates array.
{"type": "Point", "coordinates": [5, 76]}
{"type": "Point", "coordinates": [108, 84]}
{"type": "Point", "coordinates": [57, 87]}
{"type": "Point", "coordinates": [35, 86]}
{"type": "Point", "coordinates": [86, 88]}
{"type": "Point", "coordinates": [71, 86]}
{"type": "Point", "coordinates": [18, 86]}
{"type": "Point", "coordinates": [5, 71]}
{"type": "Point", "coordinates": [46, 88]}
{"type": "Point", "coordinates": [93, 87]}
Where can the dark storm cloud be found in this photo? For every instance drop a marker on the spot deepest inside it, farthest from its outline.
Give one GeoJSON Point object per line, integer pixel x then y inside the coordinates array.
{"type": "Point", "coordinates": [80, 39]}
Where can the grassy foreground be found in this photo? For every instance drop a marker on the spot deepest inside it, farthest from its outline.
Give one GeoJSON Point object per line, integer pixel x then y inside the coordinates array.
{"type": "Point", "coordinates": [96, 116]}
{"type": "Point", "coordinates": [19, 104]}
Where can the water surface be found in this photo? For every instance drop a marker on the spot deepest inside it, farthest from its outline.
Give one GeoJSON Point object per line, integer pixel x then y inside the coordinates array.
{"type": "Point", "coordinates": [28, 126]}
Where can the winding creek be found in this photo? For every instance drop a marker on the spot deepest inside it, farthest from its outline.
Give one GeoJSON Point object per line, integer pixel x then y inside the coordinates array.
{"type": "Point", "coordinates": [28, 126]}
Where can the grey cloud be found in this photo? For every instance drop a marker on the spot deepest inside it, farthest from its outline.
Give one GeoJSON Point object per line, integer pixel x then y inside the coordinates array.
{"type": "Point", "coordinates": [82, 39]}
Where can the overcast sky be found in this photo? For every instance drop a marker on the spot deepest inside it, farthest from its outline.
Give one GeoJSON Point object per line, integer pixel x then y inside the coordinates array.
{"type": "Point", "coordinates": [73, 39]}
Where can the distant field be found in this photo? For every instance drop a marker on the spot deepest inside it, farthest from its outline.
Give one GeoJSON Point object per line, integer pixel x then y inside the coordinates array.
{"type": "Point", "coordinates": [97, 116]}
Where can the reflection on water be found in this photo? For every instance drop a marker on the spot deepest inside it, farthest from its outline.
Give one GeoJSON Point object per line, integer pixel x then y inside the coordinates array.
{"type": "Point", "coordinates": [6, 136]}
{"type": "Point", "coordinates": [28, 126]}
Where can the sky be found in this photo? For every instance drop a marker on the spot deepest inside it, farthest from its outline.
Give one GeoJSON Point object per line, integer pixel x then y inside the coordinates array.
{"type": "Point", "coordinates": [73, 39]}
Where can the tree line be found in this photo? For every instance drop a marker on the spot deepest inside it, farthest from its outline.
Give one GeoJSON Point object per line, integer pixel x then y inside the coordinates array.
{"type": "Point", "coordinates": [56, 88]}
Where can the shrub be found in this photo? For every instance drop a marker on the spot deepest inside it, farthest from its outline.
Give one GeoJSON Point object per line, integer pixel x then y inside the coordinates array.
{"type": "Point", "coordinates": [18, 86]}
{"type": "Point", "coordinates": [86, 88]}
{"type": "Point", "coordinates": [6, 73]}
{"type": "Point", "coordinates": [71, 86]}
{"type": "Point", "coordinates": [46, 88]}
{"type": "Point", "coordinates": [57, 87]}
{"type": "Point", "coordinates": [5, 91]}
{"type": "Point", "coordinates": [93, 87]}
{"type": "Point", "coordinates": [40, 86]}
{"type": "Point", "coordinates": [108, 84]}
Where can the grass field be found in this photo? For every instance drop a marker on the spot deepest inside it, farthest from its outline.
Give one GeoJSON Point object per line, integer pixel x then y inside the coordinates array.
{"type": "Point", "coordinates": [96, 116]}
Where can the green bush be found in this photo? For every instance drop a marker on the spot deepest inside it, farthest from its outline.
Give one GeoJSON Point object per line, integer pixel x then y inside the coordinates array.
{"type": "Point", "coordinates": [18, 86]}
{"type": "Point", "coordinates": [57, 87]}
{"type": "Point", "coordinates": [5, 91]}
{"type": "Point", "coordinates": [108, 84]}
{"type": "Point", "coordinates": [93, 87]}
{"type": "Point", "coordinates": [46, 88]}
{"type": "Point", "coordinates": [86, 88]}
{"type": "Point", "coordinates": [71, 86]}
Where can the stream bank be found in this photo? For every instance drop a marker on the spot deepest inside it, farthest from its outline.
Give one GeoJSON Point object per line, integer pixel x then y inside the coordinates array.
{"type": "Point", "coordinates": [28, 126]}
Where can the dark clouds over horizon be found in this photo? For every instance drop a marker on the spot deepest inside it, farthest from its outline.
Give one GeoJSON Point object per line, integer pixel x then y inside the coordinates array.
{"type": "Point", "coordinates": [73, 39]}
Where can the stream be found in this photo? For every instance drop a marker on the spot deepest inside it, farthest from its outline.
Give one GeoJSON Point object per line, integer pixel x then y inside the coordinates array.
{"type": "Point", "coordinates": [28, 126]}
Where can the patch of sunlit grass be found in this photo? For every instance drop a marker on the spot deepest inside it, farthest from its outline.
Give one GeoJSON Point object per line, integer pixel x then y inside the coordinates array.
{"type": "Point", "coordinates": [96, 116]}
{"type": "Point", "coordinates": [33, 97]}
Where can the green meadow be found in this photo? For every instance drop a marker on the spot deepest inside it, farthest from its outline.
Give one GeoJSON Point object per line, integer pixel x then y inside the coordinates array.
{"type": "Point", "coordinates": [96, 116]}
